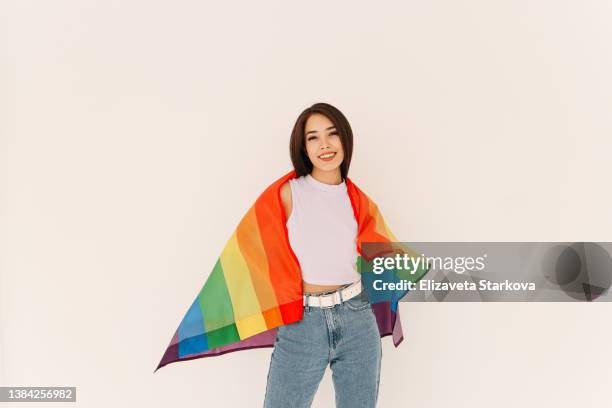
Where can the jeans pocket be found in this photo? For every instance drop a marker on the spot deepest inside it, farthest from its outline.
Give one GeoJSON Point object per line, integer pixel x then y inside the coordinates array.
{"type": "Point", "coordinates": [357, 303]}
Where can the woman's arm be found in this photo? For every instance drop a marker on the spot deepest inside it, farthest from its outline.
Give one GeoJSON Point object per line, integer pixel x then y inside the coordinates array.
{"type": "Point", "coordinates": [285, 194]}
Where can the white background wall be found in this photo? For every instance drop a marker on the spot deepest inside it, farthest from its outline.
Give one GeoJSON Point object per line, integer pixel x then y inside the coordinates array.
{"type": "Point", "coordinates": [135, 134]}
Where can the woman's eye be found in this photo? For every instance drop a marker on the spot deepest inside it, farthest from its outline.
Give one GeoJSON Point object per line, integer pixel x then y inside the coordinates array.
{"type": "Point", "coordinates": [314, 137]}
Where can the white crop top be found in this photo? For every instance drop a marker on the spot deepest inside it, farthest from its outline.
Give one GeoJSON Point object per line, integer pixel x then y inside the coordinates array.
{"type": "Point", "coordinates": [322, 231]}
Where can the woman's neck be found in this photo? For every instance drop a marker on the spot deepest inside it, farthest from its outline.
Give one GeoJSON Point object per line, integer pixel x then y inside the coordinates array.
{"type": "Point", "coordinates": [327, 177]}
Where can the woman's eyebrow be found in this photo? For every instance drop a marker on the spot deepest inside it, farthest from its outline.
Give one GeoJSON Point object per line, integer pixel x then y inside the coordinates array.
{"type": "Point", "coordinates": [314, 131]}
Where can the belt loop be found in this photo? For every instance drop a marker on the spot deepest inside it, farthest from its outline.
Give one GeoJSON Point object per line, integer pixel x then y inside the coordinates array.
{"type": "Point", "coordinates": [307, 305]}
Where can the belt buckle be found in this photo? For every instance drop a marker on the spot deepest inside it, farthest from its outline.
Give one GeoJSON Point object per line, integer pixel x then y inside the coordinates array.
{"type": "Point", "coordinates": [331, 296]}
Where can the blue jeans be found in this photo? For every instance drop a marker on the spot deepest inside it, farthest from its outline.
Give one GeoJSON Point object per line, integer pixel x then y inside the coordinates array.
{"type": "Point", "coordinates": [346, 337]}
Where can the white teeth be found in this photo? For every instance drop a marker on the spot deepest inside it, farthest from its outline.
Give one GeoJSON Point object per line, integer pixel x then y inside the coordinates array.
{"type": "Point", "coordinates": [325, 156]}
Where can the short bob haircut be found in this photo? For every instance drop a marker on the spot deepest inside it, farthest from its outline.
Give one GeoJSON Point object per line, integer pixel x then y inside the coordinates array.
{"type": "Point", "coordinates": [297, 149]}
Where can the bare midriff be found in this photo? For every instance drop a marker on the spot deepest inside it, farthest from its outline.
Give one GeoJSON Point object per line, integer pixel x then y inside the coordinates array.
{"type": "Point", "coordinates": [312, 288]}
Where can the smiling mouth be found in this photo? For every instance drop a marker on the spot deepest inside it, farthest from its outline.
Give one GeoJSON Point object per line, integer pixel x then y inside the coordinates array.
{"type": "Point", "coordinates": [327, 156]}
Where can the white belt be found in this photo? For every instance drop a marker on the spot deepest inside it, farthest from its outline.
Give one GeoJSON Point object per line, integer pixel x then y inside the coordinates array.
{"type": "Point", "coordinates": [335, 298]}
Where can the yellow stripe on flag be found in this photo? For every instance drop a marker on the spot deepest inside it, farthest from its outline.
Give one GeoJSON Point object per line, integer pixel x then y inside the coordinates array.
{"type": "Point", "coordinates": [250, 326]}
{"type": "Point", "coordinates": [238, 280]}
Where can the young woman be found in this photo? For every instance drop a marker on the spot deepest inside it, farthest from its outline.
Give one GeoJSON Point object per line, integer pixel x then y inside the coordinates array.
{"type": "Point", "coordinates": [338, 328]}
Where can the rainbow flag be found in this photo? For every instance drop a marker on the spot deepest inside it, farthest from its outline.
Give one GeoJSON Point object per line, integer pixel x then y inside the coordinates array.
{"type": "Point", "coordinates": [256, 283]}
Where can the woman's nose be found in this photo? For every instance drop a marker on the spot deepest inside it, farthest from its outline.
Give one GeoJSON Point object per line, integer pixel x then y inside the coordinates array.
{"type": "Point", "coordinates": [325, 144]}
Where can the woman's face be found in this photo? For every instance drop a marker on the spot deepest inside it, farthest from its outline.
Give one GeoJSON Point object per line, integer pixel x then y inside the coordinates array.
{"type": "Point", "coordinates": [322, 142]}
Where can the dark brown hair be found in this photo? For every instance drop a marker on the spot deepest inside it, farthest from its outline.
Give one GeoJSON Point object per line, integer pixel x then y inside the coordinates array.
{"type": "Point", "coordinates": [297, 149]}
